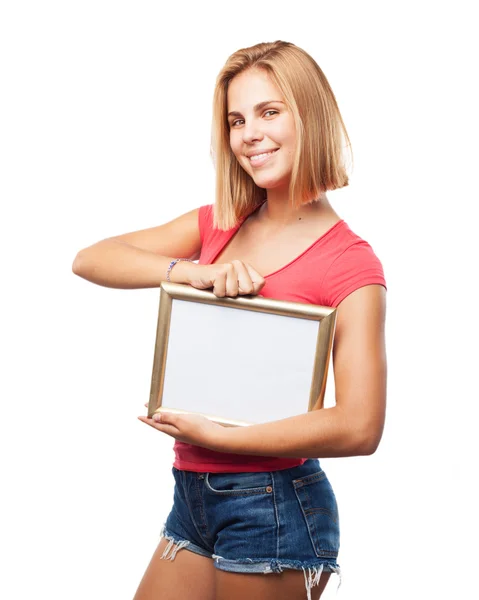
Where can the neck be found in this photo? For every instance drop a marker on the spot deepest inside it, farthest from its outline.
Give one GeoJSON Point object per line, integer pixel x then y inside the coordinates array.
{"type": "Point", "coordinates": [278, 209]}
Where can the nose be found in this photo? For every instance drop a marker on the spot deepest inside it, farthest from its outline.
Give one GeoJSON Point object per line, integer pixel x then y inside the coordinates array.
{"type": "Point", "coordinates": [252, 132]}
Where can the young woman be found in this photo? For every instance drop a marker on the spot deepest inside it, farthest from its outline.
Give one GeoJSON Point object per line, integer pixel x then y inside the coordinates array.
{"type": "Point", "coordinates": [254, 514]}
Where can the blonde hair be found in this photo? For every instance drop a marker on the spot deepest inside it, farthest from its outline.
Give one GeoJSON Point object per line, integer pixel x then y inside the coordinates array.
{"type": "Point", "coordinates": [318, 162]}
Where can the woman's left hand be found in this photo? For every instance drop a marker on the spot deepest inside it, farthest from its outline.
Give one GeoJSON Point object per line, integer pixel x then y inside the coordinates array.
{"type": "Point", "coordinates": [189, 428]}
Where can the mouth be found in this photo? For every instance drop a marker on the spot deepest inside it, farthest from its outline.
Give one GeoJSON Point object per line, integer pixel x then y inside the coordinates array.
{"type": "Point", "coordinates": [260, 159]}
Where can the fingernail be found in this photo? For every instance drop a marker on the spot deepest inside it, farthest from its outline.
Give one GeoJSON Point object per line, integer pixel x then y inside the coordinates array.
{"type": "Point", "coordinates": [156, 417]}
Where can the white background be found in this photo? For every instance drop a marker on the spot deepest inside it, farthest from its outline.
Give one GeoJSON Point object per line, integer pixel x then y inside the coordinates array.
{"type": "Point", "coordinates": [105, 114]}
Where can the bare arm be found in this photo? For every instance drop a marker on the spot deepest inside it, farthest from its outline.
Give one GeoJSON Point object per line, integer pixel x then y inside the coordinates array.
{"type": "Point", "coordinates": [140, 259]}
{"type": "Point", "coordinates": [354, 425]}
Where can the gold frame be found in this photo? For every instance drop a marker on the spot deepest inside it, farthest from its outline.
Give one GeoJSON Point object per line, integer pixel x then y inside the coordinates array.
{"type": "Point", "coordinates": [170, 291]}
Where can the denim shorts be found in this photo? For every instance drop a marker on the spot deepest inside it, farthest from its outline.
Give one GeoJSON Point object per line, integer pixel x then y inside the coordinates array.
{"type": "Point", "coordinates": [257, 522]}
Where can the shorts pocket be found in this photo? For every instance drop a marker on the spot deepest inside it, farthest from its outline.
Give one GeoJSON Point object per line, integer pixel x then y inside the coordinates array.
{"type": "Point", "coordinates": [239, 483]}
{"type": "Point", "coordinates": [320, 510]}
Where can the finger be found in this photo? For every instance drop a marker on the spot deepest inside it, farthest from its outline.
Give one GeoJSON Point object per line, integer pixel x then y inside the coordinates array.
{"type": "Point", "coordinates": [231, 280]}
{"type": "Point", "coordinates": [257, 279]}
{"type": "Point", "coordinates": [163, 427]}
{"type": "Point", "coordinates": [166, 418]}
{"type": "Point", "coordinates": [150, 422]}
{"type": "Point", "coordinates": [219, 288]}
{"type": "Point", "coordinates": [245, 285]}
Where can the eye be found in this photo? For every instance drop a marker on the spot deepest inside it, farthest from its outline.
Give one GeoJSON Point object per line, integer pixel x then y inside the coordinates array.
{"type": "Point", "coordinates": [236, 121]}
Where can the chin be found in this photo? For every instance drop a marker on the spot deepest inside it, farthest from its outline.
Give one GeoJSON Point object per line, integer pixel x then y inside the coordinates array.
{"type": "Point", "coordinates": [270, 183]}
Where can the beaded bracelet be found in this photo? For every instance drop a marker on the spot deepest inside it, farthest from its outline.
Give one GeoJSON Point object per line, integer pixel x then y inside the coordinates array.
{"type": "Point", "coordinates": [172, 264]}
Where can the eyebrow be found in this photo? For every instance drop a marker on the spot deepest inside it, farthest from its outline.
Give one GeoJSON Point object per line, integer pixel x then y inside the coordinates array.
{"type": "Point", "coordinates": [256, 108]}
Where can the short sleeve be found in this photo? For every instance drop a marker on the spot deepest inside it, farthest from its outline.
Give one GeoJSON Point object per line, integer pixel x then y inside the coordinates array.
{"type": "Point", "coordinates": [205, 221]}
{"type": "Point", "coordinates": [356, 267]}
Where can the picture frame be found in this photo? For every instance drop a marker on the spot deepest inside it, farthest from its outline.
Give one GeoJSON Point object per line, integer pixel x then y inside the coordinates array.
{"type": "Point", "coordinates": [239, 361]}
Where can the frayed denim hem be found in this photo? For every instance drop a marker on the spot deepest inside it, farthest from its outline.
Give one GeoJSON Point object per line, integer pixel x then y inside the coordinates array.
{"type": "Point", "coordinates": [176, 543]}
{"type": "Point", "coordinates": [312, 570]}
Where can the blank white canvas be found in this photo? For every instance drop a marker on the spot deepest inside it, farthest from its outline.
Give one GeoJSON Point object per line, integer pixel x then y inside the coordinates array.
{"type": "Point", "coordinates": [239, 364]}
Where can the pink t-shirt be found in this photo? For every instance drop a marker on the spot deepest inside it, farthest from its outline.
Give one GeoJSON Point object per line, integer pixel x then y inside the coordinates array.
{"type": "Point", "coordinates": [336, 264]}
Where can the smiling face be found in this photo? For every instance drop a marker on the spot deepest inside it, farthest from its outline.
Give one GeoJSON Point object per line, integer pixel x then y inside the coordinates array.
{"type": "Point", "coordinates": [262, 130]}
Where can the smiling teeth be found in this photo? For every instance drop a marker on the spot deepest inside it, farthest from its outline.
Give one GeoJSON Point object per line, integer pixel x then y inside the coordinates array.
{"type": "Point", "coordinates": [258, 156]}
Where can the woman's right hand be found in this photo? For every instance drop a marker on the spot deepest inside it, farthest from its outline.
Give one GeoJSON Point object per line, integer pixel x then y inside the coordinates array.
{"type": "Point", "coordinates": [235, 278]}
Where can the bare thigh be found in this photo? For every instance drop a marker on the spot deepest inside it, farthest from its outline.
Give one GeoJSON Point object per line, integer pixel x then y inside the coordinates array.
{"type": "Point", "coordinates": [189, 575]}
{"type": "Point", "coordinates": [288, 585]}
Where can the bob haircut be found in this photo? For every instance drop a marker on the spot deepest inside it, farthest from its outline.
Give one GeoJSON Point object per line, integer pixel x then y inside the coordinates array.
{"type": "Point", "coordinates": [320, 132]}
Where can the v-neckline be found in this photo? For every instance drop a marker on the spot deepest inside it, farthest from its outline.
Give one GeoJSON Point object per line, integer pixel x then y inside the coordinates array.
{"type": "Point", "coordinates": [235, 230]}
